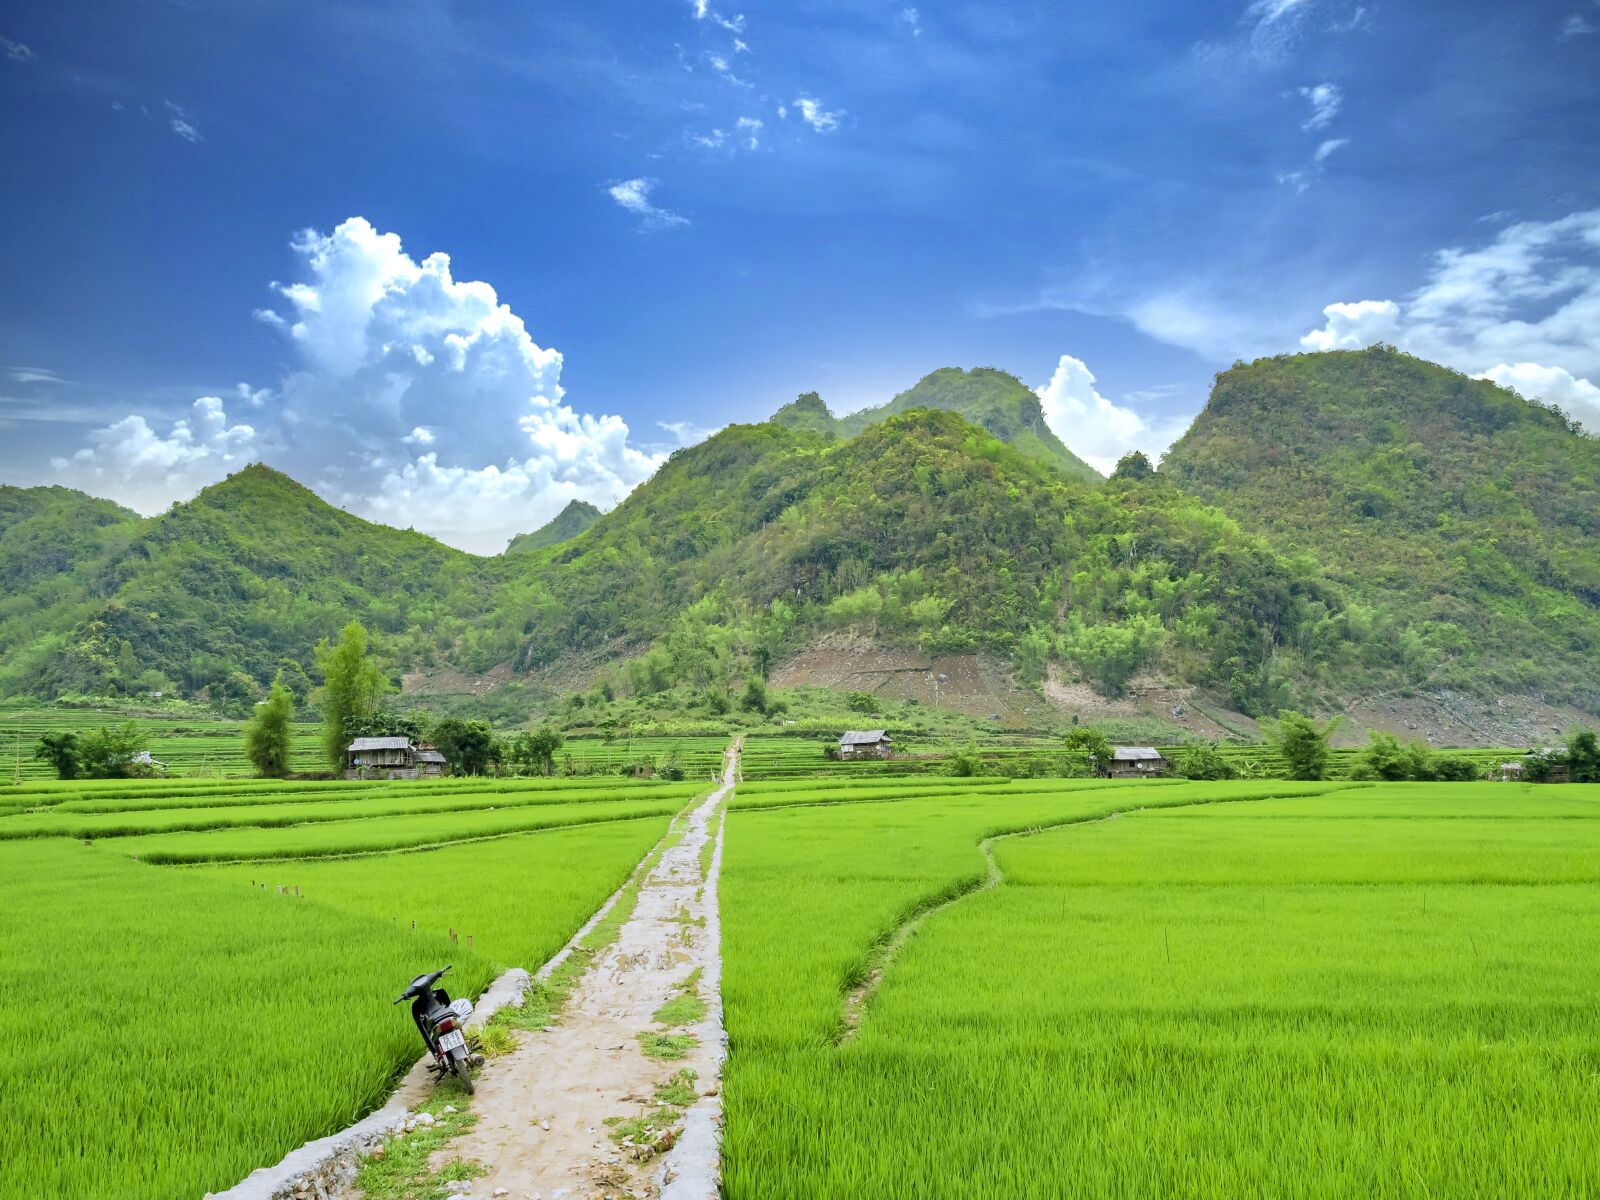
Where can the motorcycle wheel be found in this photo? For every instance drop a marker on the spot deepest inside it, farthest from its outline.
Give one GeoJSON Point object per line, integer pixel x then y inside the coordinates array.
{"type": "Point", "coordinates": [463, 1070]}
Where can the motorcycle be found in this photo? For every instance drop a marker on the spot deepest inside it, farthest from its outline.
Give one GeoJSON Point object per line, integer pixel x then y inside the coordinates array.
{"type": "Point", "coordinates": [443, 1025]}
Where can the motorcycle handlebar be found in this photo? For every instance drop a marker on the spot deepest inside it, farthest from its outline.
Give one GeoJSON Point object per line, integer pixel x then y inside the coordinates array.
{"type": "Point", "coordinates": [422, 980]}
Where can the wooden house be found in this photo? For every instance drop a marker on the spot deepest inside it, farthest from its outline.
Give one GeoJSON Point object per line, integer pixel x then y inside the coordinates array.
{"type": "Point", "coordinates": [866, 743]}
{"type": "Point", "coordinates": [391, 758]}
{"type": "Point", "coordinates": [1134, 762]}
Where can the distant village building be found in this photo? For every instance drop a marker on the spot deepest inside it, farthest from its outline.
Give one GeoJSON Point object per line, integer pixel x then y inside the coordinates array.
{"type": "Point", "coordinates": [1134, 762]}
{"type": "Point", "coordinates": [866, 743]}
{"type": "Point", "coordinates": [1509, 772]}
{"type": "Point", "coordinates": [149, 763]}
{"type": "Point", "coordinates": [391, 758]}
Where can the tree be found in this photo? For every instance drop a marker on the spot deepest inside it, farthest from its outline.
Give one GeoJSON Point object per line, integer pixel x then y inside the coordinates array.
{"type": "Point", "coordinates": [862, 702]}
{"type": "Point", "coordinates": [1088, 750]}
{"type": "Point", "coordinates": [1203, 762]}
{"type": "Point", "coordinates": [266, 735]}
{"type": "Point", "coordinates": [108, 752]}
{"type": "Point", "coordinates": [63, 752]}
{"type": "Point", "coordinates": [1583, 756]}
{"type": "Point", "coordinates": [468, 746]}
{"type": "Point", "coordinates": [352, 687]}
{"type": "Point", "coordinates": [1304, 744]}
{"type": "Point", "coordinates": [1133, 465]}
{"type": "Point", "coordinates": [537, 750]}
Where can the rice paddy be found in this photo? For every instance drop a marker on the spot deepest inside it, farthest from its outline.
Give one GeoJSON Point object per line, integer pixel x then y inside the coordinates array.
{"type": "Point", "coordinates": [198, 1022]}
{"type": "Point", "coordinates": [1379, 991]}
{"type": "Point", "coordinates": [934, 987]}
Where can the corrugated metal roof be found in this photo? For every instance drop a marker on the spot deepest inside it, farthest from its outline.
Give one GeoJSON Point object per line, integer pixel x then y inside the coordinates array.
{"type": "Point", "coordinates": [429, 756]}
{"type": "Point", "coordinates": [1134, 753]}
{"type": "Point", "coordinates": [864, 737]}
{"type": "Point", "coordinates": [379, 743]}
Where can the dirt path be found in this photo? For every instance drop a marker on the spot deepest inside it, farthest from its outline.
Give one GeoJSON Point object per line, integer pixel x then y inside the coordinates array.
{"type": "Point", "coordinates": [542, 1109]}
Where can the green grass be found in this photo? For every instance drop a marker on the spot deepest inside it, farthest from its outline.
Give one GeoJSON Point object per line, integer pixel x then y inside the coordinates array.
{"type": "Point", "coordinates": [1387, 991]}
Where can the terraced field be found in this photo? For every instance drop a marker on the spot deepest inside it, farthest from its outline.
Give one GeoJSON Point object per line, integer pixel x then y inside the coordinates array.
{"type": "Point", "coordinates": [206, 1019]}
{"type": "Point", "coordinates": [190, 746]}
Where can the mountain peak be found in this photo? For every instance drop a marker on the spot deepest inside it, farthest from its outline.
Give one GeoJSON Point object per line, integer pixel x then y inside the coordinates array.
{"type": "Point", "coordinates": [572, 520]}
{"type": "Point", "coordinates": [805, 411]}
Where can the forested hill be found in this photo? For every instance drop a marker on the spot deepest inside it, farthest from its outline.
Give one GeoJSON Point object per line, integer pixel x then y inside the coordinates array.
{"type": "Point", "coordinates": [994, 400]}
{"type": "Point", "coordinates": [567, 524]}
{"type": "Point", "coordinates": [1446, 502]}
{"type": "Point", "coordinates": [1334, 526]}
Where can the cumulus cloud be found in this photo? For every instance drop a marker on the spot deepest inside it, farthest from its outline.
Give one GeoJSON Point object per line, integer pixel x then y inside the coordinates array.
{"type": "Point", "coordinates": [1096, 429]}
{"type": "Point", "coordinates": [133, 464]}
{"type": "Point", "coordinates": [1324, 99]}
{"type": "Point", "coordinates": [1523, 307]}
{"type": "Point", "coordinates": [404, 377]}
{"type": "Point", "coordinates": [814, 115]}
{"type": "Point", "coordinates": [634, 196]}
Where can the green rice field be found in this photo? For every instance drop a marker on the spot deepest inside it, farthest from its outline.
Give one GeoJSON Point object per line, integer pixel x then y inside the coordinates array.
{"type": "Point", "coordinates": [934, 987]}
{"type": "Point", "coordinates": [1207, 990]}
{"type": "Point", "coordinates": [200, 1021]}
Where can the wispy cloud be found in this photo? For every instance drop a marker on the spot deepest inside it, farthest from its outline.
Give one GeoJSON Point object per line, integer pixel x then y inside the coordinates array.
{"type": "Point", "coordinates": [1328, 147]}
{"type": "Point", "coordinates": [633, 195]}
{"type": "Point", "coordinates": [16, 51]}
{"type": "Point", "coordinates": [1324, 99]}
{"type": "Point", "coordinates": [182, 123]}
{"type": "Point", "coordinates": [814, 115]}
{"type": "Point", "coordinates": [1576, 26]}
{"type": "Point", "coordinates": [751, 127]}
{"type": "Point", "coordinates": [912, 20]}
{"type": "Point", "coordinates": [34, 375]}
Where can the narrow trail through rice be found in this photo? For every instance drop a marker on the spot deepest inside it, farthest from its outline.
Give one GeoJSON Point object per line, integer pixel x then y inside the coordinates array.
{"type": "Point", "coordinates": [542, 1109]}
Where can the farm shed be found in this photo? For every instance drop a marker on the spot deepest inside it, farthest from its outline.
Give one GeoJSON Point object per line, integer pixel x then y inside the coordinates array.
{"type": "Point", "coordinates": [1134, 762]}
{"type": "Point", "coordinates": [866, 743]}
{"type": "Point", "coordinates": [430, 763]}
{"type": "Point", "coordinates": [388, 758]}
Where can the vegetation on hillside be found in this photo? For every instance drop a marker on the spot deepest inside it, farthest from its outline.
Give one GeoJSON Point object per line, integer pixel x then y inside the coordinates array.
{"type": "Point", "coordinates": [1454, 507]}
{"type": "Point", "coordinates": [572, 520]}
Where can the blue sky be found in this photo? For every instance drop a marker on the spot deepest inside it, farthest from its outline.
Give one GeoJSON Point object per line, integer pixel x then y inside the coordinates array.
{"type": "Point", "coordinates": [693, 211]}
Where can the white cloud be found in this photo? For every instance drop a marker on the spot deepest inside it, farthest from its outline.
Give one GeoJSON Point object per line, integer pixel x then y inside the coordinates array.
{"type": "Point", "coordinates": [1096, 429]}
{"type": "Point", "coordinates": [912, 20]}
{"type": "Point", "coordinates": [688, 433]}
{"type": "Point", "coordinates": [708, 141]}
{"type": "Point", "coordinates": [182, 123]}
{"type": "Point", "coordinates": [1328, 147]}
{"type": "Point", "coordinates": [1553, 385]}
{"type": "Point", "coordinates": [634, 195]}
{"type": "Point", "coordinates": [16, 51]}
{"type": "Point", "coordinates": [1355, 325]}
{"type": "Point", "coordinates": [34, 375]}
{"type": "Point", "coordinates": [751, 127]}
{"type": "Point", "coordinates": [407, 381]}
{"type": "Point", "coordinates": [1526, 306]}
{"type": "Point", "coordinates": [814, 115]}
{"type": "Point", "coordinates": [1577, 25]}
{"type": "Point", "coordinates": [131, 463]}
{"type": "Point", "coordinates": [1324, 99]}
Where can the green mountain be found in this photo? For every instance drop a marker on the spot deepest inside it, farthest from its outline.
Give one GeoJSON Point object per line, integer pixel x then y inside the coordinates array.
{"type": "Point", "coordinates": [1334, 526]}
{"type": "Point", "coordinates": [252, 571]}
{"type": "Point", "coordinates": [1446, 507]}
{"type": "Point", "coordinates": [994, 400]}
{"type": "Point", "coordinates": [567, 524]}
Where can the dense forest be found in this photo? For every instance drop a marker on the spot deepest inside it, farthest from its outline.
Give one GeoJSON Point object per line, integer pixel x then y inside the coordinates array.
{"type": "Point", "coordinates": [1332, 525]}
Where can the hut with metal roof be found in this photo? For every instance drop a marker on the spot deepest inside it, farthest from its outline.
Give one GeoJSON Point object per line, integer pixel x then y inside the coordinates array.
{"type": "Point", "coordinates": [1135, 762]}
{"type": "Point", "coordinates": [866, 743]}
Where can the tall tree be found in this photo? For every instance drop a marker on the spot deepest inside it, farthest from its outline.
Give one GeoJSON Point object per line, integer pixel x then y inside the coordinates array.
{"type": "Point", "coordinates": [63, 752]}
{"type": "Point", "coordinates": [352, 687]}
{"type": "Point", "coordinates": [266, 735]}
{"type": "Point", "coordinates": [1304, 744]}
{"type": "Point", "coordinates": [468, 746]}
